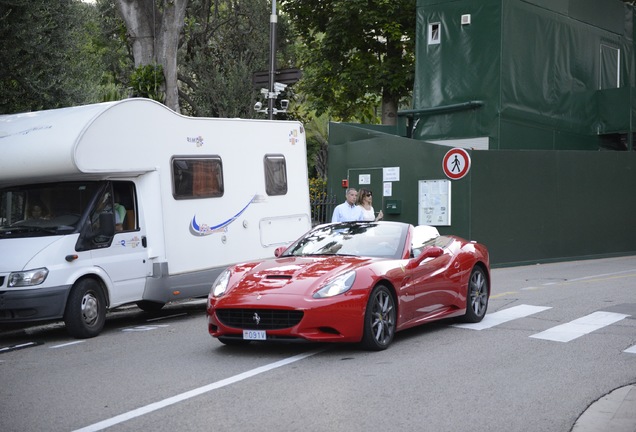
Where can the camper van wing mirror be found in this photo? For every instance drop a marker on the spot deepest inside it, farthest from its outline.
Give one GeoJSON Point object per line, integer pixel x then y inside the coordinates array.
{"type": "Point", "coordinates": [106, 225]}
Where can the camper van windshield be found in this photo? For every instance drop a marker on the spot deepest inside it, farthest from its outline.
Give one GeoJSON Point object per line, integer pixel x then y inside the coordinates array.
{"type": "Point", "coordinates": [44, 209]}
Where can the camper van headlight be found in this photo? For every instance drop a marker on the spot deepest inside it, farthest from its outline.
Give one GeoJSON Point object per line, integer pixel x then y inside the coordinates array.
{"type": "Point", "coordinates": [28, 277]}
{"type": "Point", "coordinates": [220, 284]}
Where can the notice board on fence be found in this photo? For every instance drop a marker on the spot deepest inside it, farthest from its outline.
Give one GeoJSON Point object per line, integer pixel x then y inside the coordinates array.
{"type": "Point", "coordinates": [434, 202]}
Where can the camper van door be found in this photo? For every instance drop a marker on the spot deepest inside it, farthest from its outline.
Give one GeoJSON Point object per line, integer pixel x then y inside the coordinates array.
{"type": "Point", "coordinates": [125, 262]}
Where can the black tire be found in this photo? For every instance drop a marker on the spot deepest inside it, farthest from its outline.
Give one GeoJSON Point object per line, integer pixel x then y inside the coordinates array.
{"type": "Point", "coordinates": [379, 320]}
{"type": "Point", "coordinates": [233, 341]}
{"type": "Point", "coordinates": [150, 306]}
{"type": "Point", "coordinates": [85, 312]}
{"type": "Point", "coordinates": [476, 296]}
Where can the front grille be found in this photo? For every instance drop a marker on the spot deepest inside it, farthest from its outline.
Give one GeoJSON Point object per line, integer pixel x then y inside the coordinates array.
{"type": "Point", "coordinates": [268, 319]}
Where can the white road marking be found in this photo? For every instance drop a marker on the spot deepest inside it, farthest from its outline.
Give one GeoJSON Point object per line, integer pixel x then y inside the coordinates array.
{"type": "Point", "coordinates": [165, 317]}
{"type": "Point", "coordinates": [67, 344]}
{"type": "Point", "coordinates": [192, 393]}
{"type": "Point", "coordinates": [144, 328]}
{"type": "Point", "coordinates": [580, 327]}
{"type": "Point", "coordinates": [631, 350]}
{"type": "Point", "coordinates": [502, 316]}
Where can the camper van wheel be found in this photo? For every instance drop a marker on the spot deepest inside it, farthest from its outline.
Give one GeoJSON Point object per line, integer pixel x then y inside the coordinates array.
{"type": "Point", "coordinates": [149, 306]}
{"type": "Point", "coordinates": [85, 312]}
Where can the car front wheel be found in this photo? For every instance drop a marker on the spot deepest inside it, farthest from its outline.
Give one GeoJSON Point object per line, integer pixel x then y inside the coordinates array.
{"type": "Point", "coordinates": [476, 296]}
{"type": "Point", "coordinates": [379, 320]}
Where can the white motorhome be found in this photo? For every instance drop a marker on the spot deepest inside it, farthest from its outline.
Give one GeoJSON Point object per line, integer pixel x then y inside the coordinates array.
{"type": "Point", "coordinates": [129, 202]}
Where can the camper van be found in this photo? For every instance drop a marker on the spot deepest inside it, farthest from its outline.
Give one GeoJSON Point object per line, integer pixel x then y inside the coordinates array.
{"type": "Point", "coordinates": [128, 202]}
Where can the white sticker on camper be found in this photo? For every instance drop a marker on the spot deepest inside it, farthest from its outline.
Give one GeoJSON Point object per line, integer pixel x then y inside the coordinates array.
{"type": "Point", "coordinates": [293, 137]}
{"type": "Point", "coordinates": [133, 242]}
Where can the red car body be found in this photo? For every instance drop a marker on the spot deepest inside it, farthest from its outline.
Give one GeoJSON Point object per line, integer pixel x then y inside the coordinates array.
{"type": "Point", "coordinates": [279, 295]}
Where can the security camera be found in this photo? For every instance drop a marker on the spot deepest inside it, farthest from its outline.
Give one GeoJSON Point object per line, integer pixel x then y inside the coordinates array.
{"type": "Point", "coordinates": [258, 106]}
{"type": "Point", "coordinates": [284, 104]}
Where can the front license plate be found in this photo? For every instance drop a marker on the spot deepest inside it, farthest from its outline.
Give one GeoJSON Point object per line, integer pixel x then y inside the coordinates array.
{"type": "Point", "coordinates": [254, 335]}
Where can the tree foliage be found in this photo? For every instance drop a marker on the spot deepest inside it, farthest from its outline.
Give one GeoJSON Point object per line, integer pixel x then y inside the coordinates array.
{"type": "Point", "coordinates": [147, 81]}
{"type": "Point", "coordinates": [225, 42]}
{"type": "Point", "coordinates": [356, 54]}
{"type": "Point", "coordinates": [47, 58]}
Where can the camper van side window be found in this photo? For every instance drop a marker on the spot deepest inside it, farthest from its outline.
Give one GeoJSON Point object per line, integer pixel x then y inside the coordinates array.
{"type": "Point", "coordinates": [197, 177]}
{"type": "Point", "coordinates": [275, 175]}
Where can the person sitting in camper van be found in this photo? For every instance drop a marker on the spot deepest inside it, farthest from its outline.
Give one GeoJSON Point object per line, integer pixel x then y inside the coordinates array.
{"type": "Point", "coordinates": [120, 212]}
{"type": "Point", "coordinates": [38, 213]}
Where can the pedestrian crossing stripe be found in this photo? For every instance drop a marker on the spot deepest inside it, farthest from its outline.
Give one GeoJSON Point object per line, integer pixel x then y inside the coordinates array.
{"type": "Point", "coordinates": [502, 316]}
{"type": "Point", "coordinates": [580, 327]}
{"type": "Point", "coordinates": [561, 333]}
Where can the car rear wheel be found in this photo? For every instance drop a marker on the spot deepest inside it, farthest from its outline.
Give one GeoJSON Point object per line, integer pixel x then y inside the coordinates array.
{"type": "Point", "coordinates": [85, 312]}
{"type": "Point", "coordinates": [379, 320]}
{"type": "Point", "coordinates": [477, 296]}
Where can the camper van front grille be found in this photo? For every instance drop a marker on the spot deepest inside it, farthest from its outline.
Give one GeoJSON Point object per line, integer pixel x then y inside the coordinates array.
{"type": "Point", "coordinates": [259, 319]}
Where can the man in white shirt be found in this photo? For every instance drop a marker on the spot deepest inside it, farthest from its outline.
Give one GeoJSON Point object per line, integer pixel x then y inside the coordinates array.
{"type": "Point", "coordinates": [348, 211]}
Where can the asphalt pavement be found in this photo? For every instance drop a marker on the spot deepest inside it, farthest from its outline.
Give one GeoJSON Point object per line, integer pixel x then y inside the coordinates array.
{"type": "Point", "coordinates": [614, 412]}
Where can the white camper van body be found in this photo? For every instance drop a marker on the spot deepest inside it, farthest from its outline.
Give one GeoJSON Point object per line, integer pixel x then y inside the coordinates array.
{"type": "Point", "coordinates": [201, 194]}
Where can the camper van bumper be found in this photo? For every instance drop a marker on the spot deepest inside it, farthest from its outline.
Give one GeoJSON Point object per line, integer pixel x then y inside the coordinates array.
{"type": "Point", "coordinates": [33, 304]}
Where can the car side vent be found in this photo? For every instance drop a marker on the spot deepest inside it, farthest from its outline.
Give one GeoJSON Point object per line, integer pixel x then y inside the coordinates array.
{"type": "Point", "coordinates": [284, 277]}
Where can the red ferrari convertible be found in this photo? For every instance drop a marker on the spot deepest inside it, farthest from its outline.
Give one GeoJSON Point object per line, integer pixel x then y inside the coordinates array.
{"type": "Point", "coordinates": [351, 282]}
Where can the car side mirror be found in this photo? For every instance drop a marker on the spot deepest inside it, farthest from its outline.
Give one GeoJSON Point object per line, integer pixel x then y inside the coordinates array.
{"type": "Point", "coordinates": [429, 252]}
{"type": "Point", "coordinates": [279, 251]}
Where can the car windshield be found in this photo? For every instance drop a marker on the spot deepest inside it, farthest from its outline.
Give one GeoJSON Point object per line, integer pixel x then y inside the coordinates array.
{"type": "Point", "coordinates": [366, 239]}
{"type": "Point", "coordinates": [44, 209]}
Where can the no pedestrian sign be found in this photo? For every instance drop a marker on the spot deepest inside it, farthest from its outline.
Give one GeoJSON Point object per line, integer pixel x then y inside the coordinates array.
{"type": "Point", "coordinates": [456, 163]}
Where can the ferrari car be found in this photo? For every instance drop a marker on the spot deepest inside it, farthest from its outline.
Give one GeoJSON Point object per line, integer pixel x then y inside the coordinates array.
{"type": "Point", "coordinates": [355, 282]}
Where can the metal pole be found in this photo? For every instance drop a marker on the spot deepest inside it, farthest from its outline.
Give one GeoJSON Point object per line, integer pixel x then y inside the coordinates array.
{"type": "Point", "coordinates": [272, 60]}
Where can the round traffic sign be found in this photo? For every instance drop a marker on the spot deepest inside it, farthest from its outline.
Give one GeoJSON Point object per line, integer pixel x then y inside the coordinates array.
{"type": "Point", "coordinates": [456, 163]}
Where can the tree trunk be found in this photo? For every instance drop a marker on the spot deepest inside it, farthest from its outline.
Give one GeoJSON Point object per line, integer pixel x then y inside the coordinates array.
{"type": "Point", "coordinates": [389, 108]}
{"type": "Point", "coordinates": [154, 27]}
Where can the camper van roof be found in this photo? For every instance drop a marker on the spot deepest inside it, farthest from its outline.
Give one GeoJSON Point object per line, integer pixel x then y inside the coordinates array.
{"type": "Point", "coordinates": [68, 143]}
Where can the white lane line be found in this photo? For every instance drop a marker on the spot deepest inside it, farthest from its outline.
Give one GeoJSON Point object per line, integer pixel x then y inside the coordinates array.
{"type": "Point", "coordinates": [195, 392]}
{"type": "Point", "coordinates": [144, 328]}
{"type": "Point", "coordinates": [17, 347]}
{"type": "Point", "coordinates": [166, 317]}
{"type": "Point", "coordinates": [502, 316]}
{"type": "Point", "coordinates": [631, 350]}
{"type": "Point", "coordinates": [579, 327]}
{"type": "Point", "coordinates": [66, 344]}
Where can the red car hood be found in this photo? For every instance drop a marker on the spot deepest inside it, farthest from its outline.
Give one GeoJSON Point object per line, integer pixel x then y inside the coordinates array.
{"type": "Point", "coordinates": [290, 275]}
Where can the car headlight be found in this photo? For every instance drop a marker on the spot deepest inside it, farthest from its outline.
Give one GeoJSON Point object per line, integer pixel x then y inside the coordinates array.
{"type": "Point", "coordinates": [336, 286]}
{"type": "Point", "coordinates": [28, 277]}
{"type": "Point", "coordinates": [220, 284]}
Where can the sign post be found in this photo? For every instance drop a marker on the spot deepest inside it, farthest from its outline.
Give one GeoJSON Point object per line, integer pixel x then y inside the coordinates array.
{"type": "Point", "coordinates": [272, 60]}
